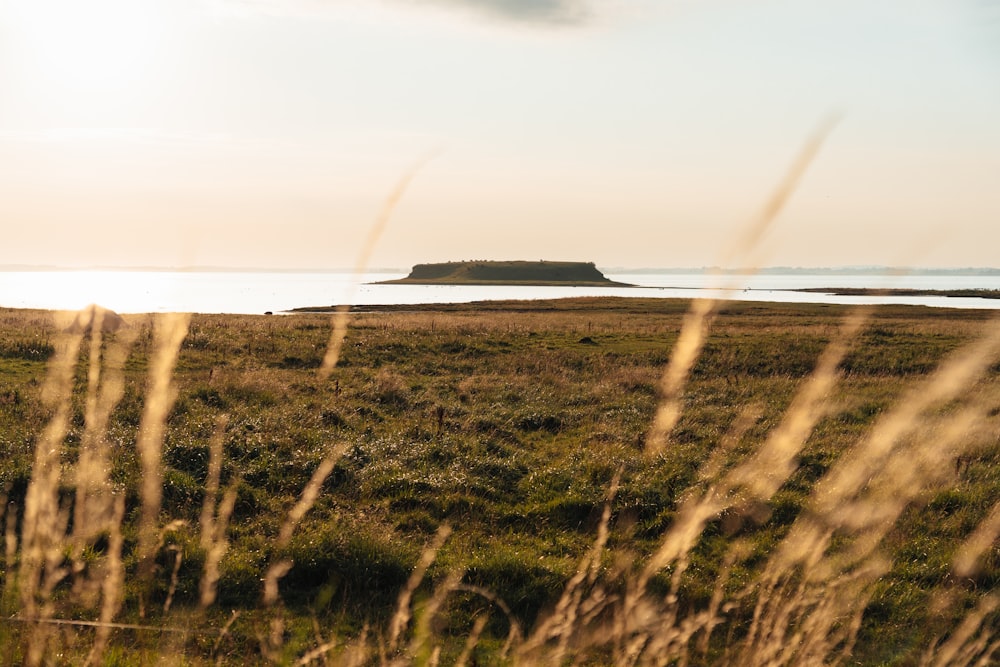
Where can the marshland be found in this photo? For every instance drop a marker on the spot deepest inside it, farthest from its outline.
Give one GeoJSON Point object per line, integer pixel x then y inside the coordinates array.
{"type": "Point", "coordinates": [519, 483]}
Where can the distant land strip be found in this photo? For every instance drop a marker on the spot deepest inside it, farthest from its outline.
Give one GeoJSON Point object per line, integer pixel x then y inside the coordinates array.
{"type": "Point", "coordinates": [873, 291]}
{"type": "Point", "coordinates": [485, 272]}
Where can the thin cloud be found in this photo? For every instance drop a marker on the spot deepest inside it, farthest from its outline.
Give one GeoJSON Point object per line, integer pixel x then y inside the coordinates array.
{"type": "Point", "coordinates": [529, 12]}
{"type": "Point", "coordinates": [544, 12]}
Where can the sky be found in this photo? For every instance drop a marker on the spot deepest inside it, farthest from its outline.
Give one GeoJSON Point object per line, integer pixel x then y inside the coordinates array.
{"type": "Point", "coordinates": [630, 133]}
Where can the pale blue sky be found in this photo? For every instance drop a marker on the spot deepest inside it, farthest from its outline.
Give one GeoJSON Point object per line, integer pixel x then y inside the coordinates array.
{"type": "Point", "coordinates": [625, 132]}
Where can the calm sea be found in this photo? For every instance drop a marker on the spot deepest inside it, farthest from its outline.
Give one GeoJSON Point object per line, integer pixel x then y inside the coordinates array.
{"type": "Point", "coordinates": [259, 292]}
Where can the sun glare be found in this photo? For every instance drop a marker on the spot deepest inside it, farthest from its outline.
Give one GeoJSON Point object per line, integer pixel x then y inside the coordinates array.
{"type": "Point", "coordinates": [98, 46]}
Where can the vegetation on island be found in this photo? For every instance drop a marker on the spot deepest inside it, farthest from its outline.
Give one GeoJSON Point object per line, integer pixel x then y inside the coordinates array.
{"type": "Point", "coordinates": [479, 485]}
{"type": "Point", "coordinates": [486, 272]}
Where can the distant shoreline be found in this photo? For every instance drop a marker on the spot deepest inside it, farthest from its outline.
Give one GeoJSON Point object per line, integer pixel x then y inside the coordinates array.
{"type": "Point", "coordinates": [874, 291]}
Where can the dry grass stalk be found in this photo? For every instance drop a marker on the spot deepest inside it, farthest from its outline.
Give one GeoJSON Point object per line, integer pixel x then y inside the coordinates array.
{"type": "Point", "coordinates": [712, 616]}
{"type": "Point", "coordinates": [771, 466]}
{"type": "Point", "coordinates": [472, 640]}
{"type": "Point", "coordinates": [306, 500]}
{"type": "Point", "coordinates": [274, 574]}
{"type": "Point", "coordinates": [420, 649]}
{"type": "Point", "coordinates": [694, 329]}
{"type": "Point", "coordinates": [318, 653]}
{"type": "Point", "coordinates": [170, 330]}
{"type": "Point", "coordinates": [208, 509]}
{"type": "Point", "coordinates": [357, 652]}
{"type": "Point", "coordinates": [947, 383]}
{"type": "Point", "coordinates": [94, 504]}
{"type": "Point", "coordinates": [402, 616]}
{"type": "Point", "coordinates": [862, 497]}
{"type": "Point", "coordinates": [174, 577]}
{"type": "Point", "coordinates": [860, 526]}
{"type": "Point", "coordinates": [966, 561]}
{"type": "Point", "coordinates": [215, 520]}
{"type": "Point", "coordinates": [923, 462]}
{"type": "Point", "coordinates": [514, 634]}
{"type": "Point", "coordinates": [673, 641]}
{"type": "Point", "coordinates": [113, 586]}
{"type": "Point", "coordinates": [223, 633]}
{"type": "Point", "coordinates": [8, 513]}
{"type": "Point", "coordinates": [683, 356]}
{"type": "Point", "coordinates": [8, 592]}
{"type": "Point", "coordinates": [310, 493]}
{"type": "Point", "coordinates": [341, 315]}
{"type": "Point", "coordinates": [95, 508]}
{"type": "Point", "coordinates": [712, 469]}
{"type": "Point", "coordinates": [886, 463]}
{"type": "Point", "coordinates": [321, 641]}
{"type": "Point", "coordinates": [561, 623]}
{"type": "Point", "coordinates": [753, 233]}
{"type": "Point", "coordinates": [804, 621]}
{"type": "Point", "coordinates": [208, 587]}
{"type": "Point", "coordinates": [755, 480]}
{"type": "Point", "coordinates": [271, 645]}
{"type": "Point", "coordinates": [89, 468]}
{"type": "Point", "coordinates": [43, 527]}
{"type": "Point", "coordinates": [338, 323]}
{"type": "Point", "coordinates": [970, 643]}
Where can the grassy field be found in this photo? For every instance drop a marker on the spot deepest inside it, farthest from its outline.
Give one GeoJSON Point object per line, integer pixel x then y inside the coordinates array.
{"type": "Point", "coordinates": [485, 484]}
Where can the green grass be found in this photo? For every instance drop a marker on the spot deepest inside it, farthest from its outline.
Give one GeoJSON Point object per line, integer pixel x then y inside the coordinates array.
{"type": "Point", "coordinates": [508, 423]}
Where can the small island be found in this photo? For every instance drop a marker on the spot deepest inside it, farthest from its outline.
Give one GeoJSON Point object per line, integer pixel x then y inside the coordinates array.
{"type": "Point", "coordinates": [576, 274]}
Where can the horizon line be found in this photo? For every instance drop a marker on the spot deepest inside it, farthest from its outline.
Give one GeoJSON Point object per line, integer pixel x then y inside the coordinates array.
{"type": "Point", "coordinates": [837, 268]}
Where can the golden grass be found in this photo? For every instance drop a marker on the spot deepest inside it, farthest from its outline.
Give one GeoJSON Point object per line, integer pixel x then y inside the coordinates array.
{"type": "Point", "coordinates": [215, 520]}
{"type": "Point", "coordinates": [44, 523]}
{"type": "Point", "coordinates": [805, 606]}
{"type": "Point", "coordinates": [169, 332]}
